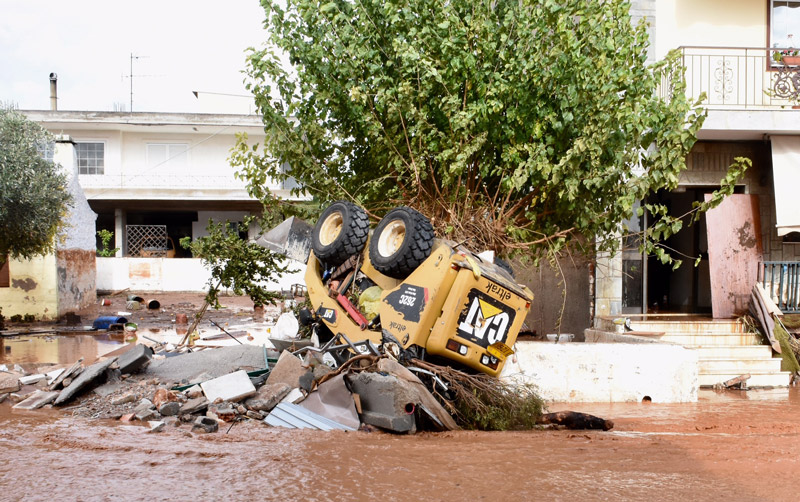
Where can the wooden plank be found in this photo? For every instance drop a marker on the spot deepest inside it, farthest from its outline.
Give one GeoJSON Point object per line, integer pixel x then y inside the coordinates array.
{"type": "Point", "coordinates": [734, 251]}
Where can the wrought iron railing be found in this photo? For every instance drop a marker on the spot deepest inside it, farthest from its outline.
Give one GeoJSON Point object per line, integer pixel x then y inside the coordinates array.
{"type": "Point", "coordinates": [781, 279]}
{"type": "Point", "coordinates": [741, 77]}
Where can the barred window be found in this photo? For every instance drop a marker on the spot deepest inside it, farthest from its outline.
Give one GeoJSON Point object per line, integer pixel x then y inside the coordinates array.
{"type": "Point", "coordinates": [91, 158]}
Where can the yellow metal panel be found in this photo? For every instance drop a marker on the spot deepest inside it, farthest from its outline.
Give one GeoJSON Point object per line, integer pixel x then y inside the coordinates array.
{"type": "Point", "coordinates": [409, 310]}
{"type": "Point", "coordinates": [477, 314]}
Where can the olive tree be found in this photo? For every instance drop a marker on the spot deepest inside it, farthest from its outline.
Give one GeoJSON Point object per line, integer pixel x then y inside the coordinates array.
{"type": "Point", "coordinates": [514, 124]}
{"type": "Point", "coordinates": [34, 198]}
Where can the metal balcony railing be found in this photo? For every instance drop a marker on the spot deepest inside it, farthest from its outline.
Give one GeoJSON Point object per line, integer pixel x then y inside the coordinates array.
{"type": "Point", "coordinates": [165, 182]}
{"type": "Point", "coordinates": [781, 280]}
{"type": "Point", "coordinates": [741, 78]}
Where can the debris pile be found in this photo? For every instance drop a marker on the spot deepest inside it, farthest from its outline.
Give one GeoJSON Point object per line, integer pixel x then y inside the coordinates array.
{"type": "Point", "coordinates": [331, 387]}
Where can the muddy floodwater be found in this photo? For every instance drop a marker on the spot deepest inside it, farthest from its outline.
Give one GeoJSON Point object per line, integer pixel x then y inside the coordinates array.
{"type": "Point", "coordinates": [736, 446]}
{"type": "Point", "coordinates": [64, 349]}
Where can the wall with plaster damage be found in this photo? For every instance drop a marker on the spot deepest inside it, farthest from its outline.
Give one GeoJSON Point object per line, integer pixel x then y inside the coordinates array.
{"type": "Point", "coordinates": [33, 288]}
{"type": "Point", "coordinates": [75, 255]}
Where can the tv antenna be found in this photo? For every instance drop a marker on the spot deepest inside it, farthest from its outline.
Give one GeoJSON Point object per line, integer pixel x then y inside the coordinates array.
{"type": "Point", "coordinates": [131, 75]}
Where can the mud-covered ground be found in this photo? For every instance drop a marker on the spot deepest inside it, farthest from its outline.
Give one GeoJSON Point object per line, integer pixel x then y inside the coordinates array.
{"type": "Point", "coordinates": [733, 446]}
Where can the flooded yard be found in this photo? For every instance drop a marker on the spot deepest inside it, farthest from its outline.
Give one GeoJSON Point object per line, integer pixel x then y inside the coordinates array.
{"type": "Point", "coordinates": [733, 446]}
{"type": "Point", "coordinates": [58, 349]}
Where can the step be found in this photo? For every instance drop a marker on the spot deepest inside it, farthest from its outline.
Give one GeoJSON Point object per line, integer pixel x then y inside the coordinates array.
{"type": "Point", "coordinates": [769, 379]}
{"type": "Point", "coordinates": [739, 366]}
{"type": "Point", "coordinates": [732, 351]}
{"type": "Point", "coordinates": [708, 326]}
{"type": "Point", "coordinates": [691, 339]}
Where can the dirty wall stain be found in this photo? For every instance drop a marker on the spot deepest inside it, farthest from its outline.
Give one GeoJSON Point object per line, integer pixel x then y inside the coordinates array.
{"type": "Point", "coordinates": [24, 284]}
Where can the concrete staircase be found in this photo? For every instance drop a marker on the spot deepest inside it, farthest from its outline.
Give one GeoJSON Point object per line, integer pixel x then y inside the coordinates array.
{"type": "Point", "coordinates": [725, 348]}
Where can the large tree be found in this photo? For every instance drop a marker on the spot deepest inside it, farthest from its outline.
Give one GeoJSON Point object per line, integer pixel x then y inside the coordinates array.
{"type": "Point", "coordinates": [33, 191]}
{"type": "Point", "coordinates": [516, 124]}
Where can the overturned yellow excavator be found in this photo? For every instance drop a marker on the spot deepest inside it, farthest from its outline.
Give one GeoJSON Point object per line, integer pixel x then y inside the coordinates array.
{"type": "Point", "coordinates": [398, 284]}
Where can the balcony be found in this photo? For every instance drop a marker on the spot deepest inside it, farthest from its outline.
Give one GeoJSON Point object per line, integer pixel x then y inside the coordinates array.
{"type": "Point", "coordinates": [159, 186]}
{"type": "Point", "coordinates": [741, 78]}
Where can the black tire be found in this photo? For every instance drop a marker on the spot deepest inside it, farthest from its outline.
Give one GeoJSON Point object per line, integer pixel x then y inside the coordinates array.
{"type": "Point", "coordinates": [399, 258]}
{"type": "Point", "coordinates": [504, 265]}
{"type": "Point", "coordinates": [340, 232]}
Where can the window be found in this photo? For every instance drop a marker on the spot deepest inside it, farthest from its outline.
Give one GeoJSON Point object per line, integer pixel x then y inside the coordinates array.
{"type": "Point", "coordinates": [47, 150]}
{"type": "Point", "coordinates": [168, 156]}
{"type": "Point", "coordinates": [4, 275]}
{"type": "Point", "coordinates": [784, 29]}
{"type": "Point", "coordinates": [91, 157]}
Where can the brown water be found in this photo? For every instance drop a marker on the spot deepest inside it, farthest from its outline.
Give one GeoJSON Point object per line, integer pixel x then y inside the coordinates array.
{"type": "Point", "coordinates": [62, 349]}
{"type": "Point", "coordinates": [737, 446]}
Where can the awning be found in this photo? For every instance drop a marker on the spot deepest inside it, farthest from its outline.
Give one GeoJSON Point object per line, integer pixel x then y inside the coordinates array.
{"type": "Point", "coordinates": [786, 177]}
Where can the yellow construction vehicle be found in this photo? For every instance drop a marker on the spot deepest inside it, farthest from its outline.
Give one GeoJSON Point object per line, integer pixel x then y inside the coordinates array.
{"type": "Point", "coordinates": [437, 300]}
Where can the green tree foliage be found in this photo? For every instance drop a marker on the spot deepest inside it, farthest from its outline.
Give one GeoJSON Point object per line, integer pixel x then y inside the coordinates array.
{"type": "Point", "coordinates": [236, 264]}
{"type": "Point", "coordinates": [33, 191]}
{"type": "Point", "coordinates": [514, 124]}
{"type": "Point", "coordinates": [105, 239]}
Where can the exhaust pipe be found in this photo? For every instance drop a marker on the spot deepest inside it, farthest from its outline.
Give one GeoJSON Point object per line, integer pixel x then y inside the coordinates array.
{"type": "Point", "coordinates": [53, 92]}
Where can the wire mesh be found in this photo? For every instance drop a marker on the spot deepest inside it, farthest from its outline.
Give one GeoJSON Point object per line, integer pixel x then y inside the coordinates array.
{"type": "Point", "coordinates": [147, 240]}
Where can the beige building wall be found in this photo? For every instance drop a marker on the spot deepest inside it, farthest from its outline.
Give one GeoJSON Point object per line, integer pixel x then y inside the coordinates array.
{"type": "Point", "coordinates": [717, 23]}
{"type": "Point", "coordinates": [33, 288]}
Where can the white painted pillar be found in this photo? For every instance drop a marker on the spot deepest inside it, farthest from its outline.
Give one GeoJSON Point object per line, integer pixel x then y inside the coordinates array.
{"type": "Point", "coordinates": [120, 240]}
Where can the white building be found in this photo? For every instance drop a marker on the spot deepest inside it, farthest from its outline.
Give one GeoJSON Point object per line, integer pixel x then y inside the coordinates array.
{"type": "Point", "coordinates": [732, 51]}
{"type": "Point", "coordinates": [152, 179]}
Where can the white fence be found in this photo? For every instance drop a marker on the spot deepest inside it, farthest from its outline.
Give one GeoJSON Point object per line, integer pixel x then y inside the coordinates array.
{"type": "Point", "coordinates": [170, 274]}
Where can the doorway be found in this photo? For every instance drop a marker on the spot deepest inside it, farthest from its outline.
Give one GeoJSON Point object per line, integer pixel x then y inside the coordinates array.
{"type": "Point", "coordinates": [650, 286]}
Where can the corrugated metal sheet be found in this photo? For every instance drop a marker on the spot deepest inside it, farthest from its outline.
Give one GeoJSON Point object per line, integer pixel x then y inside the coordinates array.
{"type": "Point", "coordinates": [292, 416]}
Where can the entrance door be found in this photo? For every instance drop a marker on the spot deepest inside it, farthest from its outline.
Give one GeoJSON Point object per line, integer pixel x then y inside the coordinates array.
{"type": "Point", "coordinates": [734, 250]}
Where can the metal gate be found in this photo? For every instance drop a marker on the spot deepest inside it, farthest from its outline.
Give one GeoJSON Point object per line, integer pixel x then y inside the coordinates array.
{"type": "Point", "coordinates": [152, 239]}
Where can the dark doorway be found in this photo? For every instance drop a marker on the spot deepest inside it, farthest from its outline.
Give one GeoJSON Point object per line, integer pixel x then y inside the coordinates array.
{"type": "Point", "coordinates": [688, 288]}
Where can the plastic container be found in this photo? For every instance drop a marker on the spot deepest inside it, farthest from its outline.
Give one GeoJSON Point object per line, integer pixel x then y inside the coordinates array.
{"type": "Point", "coordinates": [103, 322]}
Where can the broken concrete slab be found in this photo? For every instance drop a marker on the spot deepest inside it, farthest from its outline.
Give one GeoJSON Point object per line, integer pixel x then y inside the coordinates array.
{"type": "Point", "coordinates": [216, 362]}
{"type": "Point", "coordinates": [289, 369]}
{"type": "Point", "coordinates": [135, 358]}
{"type": "Point", "coordinates": [156, 425]}
{"type": "Point", "coordinates": [222, 411]}
{"type": "Point", "coordinates": [87, 377]}
{"type": "Point", "coordinates": [71, 371]}
{"type": "Point", "coordinates": [385, 401]}
{"type": "Point", "coordinates": [8, 383]}
{"type": "Point", "coordinates": [147, 414]}
{"type": "Point", "coordinates": [231, 387]}
{"type": "Point", "coordinates": [205, 424]}
{"type": "Point", "coordinates": [294, 396]}
{"type": "Point", "coordinates": [425, 398]}
{"type": "Point", "coordinates": [170, 408]}
{"type": "Point", "coordinates": [268, 396]}
{"type": "Point", "coordinates": [36, 400]}
{"type": "Point", "coordinates": [333, 400]}
{"type": "Point", "coordinates": [52, 375]}
{"type": "Point", "coordinates": [195, 405]}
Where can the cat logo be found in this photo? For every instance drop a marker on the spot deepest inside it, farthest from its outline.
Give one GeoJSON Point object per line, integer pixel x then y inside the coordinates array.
{"type": "Point", "coordinates": [484, 320]}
